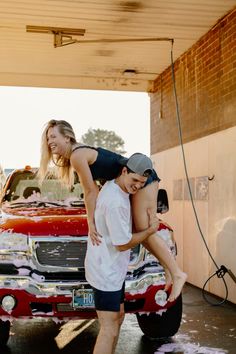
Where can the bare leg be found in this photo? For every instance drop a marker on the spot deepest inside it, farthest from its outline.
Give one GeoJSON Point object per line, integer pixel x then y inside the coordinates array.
{"type": "Point", "coordinates": [108, 333]}
{"type": "Point", "coordinates": [144, 200]}
{"type": "Point", "coordinates": [159, 250]}
{"type": "Point", "coordinates": [168, 277]}
{"type": "Point", "coordinates": [121, 320]}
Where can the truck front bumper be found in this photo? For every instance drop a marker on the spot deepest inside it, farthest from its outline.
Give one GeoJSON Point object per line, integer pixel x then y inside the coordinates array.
{"type": "Point", "coordinates": [54, 299]}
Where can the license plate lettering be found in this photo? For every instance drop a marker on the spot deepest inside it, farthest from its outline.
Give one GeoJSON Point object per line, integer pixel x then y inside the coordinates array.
{"type": "Point", "coordinates": [83, 298]}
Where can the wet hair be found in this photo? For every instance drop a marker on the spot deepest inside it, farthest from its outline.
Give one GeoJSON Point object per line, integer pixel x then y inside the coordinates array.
{"type": "Point", "coordinates": [62, 167]}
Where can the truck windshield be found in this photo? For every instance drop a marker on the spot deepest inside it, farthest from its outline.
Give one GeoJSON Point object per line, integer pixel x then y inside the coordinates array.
{"type": "Point", "coordinates": [25, 187]}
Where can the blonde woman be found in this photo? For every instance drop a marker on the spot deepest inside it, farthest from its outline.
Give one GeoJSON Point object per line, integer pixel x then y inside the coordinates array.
{"type": "Point", "coordinates": [59, 146]}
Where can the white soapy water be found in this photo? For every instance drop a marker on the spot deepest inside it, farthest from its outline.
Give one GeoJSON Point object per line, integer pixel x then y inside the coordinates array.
{"type": "Point", "coordinates": [188, 348]}
{"type": "Point", "coordinates": [13, 241]}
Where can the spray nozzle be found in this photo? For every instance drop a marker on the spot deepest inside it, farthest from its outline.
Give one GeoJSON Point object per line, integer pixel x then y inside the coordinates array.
{"type": "Point", "coordinates": [222, 270]}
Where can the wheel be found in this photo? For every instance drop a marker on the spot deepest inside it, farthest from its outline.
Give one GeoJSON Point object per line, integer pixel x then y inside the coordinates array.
{"type": "Point", "coordinates": [4, 332]}
{"type": "Point", "coordinates": [162, 326]}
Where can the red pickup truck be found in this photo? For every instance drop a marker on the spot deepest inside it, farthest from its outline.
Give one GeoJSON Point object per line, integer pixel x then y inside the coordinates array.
{"type": "Point", "coordinates": [43, 236]}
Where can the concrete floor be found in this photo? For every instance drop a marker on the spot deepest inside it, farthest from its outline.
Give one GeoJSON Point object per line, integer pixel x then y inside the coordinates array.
{"type": "Point", "coordinates": [205, 329]}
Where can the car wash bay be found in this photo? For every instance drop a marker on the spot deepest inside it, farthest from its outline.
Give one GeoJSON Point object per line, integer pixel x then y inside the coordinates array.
{"type": "Point", "coordinates": [205, 329]}
{"type": "Point", "coordinates": [126, 45]}
{"type": "Point", "coordinates": [204, 55]}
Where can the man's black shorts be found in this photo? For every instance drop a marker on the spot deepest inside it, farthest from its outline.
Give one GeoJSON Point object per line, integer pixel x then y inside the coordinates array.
{"type": "Point", "coordinates": [109, 300]}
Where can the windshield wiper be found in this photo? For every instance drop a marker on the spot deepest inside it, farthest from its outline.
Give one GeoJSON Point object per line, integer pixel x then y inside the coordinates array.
{"type": "Point", "coordinates": [37, 204]}
{"type": "Point", "coordinates": [77, 203]}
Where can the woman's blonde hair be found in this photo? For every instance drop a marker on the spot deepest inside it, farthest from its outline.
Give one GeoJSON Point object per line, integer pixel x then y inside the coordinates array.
{"type": "Point", "coordinates": [62, 167]}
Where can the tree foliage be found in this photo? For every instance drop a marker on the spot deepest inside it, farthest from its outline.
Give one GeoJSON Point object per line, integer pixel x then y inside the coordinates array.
{"type": "Point", "coordinates": [104, 138]}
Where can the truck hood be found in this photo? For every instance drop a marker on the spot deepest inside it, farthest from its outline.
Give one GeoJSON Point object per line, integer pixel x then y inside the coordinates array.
{"type": "Point", "coordinates": [44, 222]}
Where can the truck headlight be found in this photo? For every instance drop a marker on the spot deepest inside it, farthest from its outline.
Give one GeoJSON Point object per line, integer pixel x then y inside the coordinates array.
{"type": "Point", "coordinates": [8, 303]}
{"type": "Point", "coordinates": [161, 297]}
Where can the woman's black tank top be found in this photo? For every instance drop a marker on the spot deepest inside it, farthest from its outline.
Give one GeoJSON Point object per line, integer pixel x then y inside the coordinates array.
{"type": "Point", "coordinates": [107, 165]}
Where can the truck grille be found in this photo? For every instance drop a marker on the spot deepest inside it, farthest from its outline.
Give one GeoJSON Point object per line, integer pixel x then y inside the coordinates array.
{"type": "Point", "coordinates": [61, 253]}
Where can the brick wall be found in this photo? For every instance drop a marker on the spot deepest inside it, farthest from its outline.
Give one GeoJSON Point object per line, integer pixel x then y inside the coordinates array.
{"type": "Point", "coordinates": [206, 88]}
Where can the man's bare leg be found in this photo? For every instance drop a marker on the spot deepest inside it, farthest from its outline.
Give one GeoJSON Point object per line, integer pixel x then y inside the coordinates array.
{"type": "Point", "coordinates": [121, 320]}
{"type": "Point", "coordinates": [108, 333]}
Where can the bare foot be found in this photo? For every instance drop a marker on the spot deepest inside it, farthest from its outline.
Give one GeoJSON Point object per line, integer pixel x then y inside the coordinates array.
{"type": "Point", "coordinates": [178, 283]}
{"type": "Point", "coordinates": [168, 279]}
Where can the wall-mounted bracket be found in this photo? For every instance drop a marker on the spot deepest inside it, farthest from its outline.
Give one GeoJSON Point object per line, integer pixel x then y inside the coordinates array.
{"type": "Point", "coordinates": [61, 36]}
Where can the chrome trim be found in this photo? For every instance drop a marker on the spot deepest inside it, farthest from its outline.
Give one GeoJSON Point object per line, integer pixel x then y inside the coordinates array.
{"type": "Point", "coordinates": [47, 268]}
{"type": "Point", "coordinates": [43, 289]}
{"type": "Point", "coordinates": [40, 289]}
{"type": "Point", "coordinates": [138, 260]}
{"type": "Point", "coordinates": [141, 284]}
{"type": "Point", "coordinates": [31, 256]}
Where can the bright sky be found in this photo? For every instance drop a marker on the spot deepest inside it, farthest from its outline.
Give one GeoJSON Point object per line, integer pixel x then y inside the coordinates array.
{"type": "Point", "coordinates": [25, 111]}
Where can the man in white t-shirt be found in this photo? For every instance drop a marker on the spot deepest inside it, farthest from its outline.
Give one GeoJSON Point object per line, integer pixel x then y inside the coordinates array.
{"type": "Point", "coordinates": [106, 265]}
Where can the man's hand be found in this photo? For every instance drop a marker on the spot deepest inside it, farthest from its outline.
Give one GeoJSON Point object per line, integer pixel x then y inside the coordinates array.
{"type": "Point", "coordinates": [94, 235]}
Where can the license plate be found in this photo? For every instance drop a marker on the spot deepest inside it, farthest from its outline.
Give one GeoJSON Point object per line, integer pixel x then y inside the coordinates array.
{"type": "Point", "coordinates": [83, 298]}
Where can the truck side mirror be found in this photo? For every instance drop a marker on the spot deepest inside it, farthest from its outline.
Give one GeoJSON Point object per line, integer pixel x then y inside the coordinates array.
{"type": "Point", "coordinates": [162, 201]}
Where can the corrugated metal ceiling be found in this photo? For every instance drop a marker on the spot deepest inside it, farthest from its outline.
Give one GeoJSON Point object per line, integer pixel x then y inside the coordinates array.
{"type": "Point", "coordinates": [30, 59]}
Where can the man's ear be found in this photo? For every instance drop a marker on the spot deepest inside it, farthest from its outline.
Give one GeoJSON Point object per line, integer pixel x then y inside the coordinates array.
{"type": "Point", "coordinates": [124, 171]}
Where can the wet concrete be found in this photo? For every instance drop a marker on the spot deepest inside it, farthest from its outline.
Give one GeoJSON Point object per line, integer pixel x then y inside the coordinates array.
{"type": "Point", "coordinates": [205, 329]}
{"type": "Point", "coordinates": [207, 325]}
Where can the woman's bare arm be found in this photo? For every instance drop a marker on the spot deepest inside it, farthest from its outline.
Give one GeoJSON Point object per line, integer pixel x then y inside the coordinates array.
{"type": "Point", "coordinates": [80, 162]}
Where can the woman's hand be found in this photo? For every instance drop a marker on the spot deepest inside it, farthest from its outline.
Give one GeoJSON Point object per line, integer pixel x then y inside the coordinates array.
{"type": "Point", "coordinates": [94, 235]}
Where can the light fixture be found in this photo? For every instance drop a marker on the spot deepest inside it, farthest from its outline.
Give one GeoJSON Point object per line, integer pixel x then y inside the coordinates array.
{"type": "Point", "coordinates": [129, 72]}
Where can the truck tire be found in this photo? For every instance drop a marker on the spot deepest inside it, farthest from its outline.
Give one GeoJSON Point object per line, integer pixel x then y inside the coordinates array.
{"type": "Point", "coordinates": [4, 332]}
{"type": "Point", "coordinates": [161, 326]}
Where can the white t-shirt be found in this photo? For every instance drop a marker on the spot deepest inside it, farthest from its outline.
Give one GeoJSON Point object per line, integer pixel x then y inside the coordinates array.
{"type": "Point", "coordinates": [105, 266]}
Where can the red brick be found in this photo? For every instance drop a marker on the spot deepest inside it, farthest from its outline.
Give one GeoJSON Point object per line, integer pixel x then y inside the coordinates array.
{"type": "Point", "coordinates": [206, 84]}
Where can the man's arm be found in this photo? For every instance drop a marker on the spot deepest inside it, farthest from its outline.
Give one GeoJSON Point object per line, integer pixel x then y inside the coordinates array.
{"type": "Point", "coordinates": [138, 238]}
